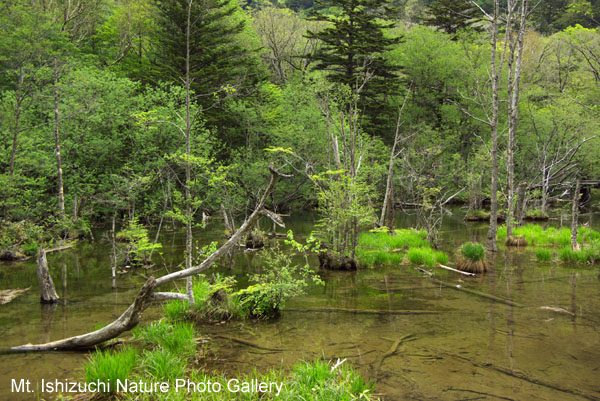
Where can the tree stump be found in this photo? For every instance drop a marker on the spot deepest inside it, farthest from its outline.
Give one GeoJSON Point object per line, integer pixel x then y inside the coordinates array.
{"type": "Point", "coordinates": [48, 293]}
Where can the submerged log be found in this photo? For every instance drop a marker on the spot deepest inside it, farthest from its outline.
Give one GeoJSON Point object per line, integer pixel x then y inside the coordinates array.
{"type": "Point", "coordinates": [478, 293]}
{"type": "Point", "coordinates": [48, 293]}
{"type": "Point", "coordinates": [366, 311]}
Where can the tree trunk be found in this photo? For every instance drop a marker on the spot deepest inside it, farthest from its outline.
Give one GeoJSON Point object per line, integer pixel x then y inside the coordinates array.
{"type": "Point", "coordinates": [575, 216]}
{"type": "Point", "coordinates": [188, 178]}
{"type": "Point", "coordinates": [61, 196]}
{"type": "Point", "coordinates": [491, 236]}
{"type": "Point", "coordinates": [520, 212]}
{"type": "Point", "coordinates": [513, 113]}
{"type": "Point", "coordinates": [48, 293]}
{"type": "Point", "coordinates": [19, 100]}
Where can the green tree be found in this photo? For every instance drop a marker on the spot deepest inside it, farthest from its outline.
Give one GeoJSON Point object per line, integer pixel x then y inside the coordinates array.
{"type": "Point", "coordinates": [353, 47]}
{"type": "Point", "coordinates": [452, 16]}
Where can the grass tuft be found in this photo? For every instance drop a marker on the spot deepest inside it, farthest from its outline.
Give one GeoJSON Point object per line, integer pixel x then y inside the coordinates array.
{"type": "Point", "coordinates": [543, 255]}
{"type": "Point", "coordinates": [108, 367]}
{"type": "Point", "coordinates": [162, 364]}
{"type": "Point", "coordinates": [472, 251]}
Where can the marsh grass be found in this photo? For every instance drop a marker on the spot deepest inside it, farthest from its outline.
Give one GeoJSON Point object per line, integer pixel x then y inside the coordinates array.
{"type": "Point", "coordinates": [543, 255]}
{"type": "Point", "coordinates": [382, 248]}
{"type": "Point", "coordinates": [108, 366]}
{"type": "Point", "coordinates": [163, 365]}
{"type": "Point", "coordinates": [471, 258]}
{"type": "Point", "coordinates": [176, 310]}
{"type": "Point", "coordinates": [177, 338]}
{"type": "Point", "coordinates": [368, 257]}
{"type": "Point", "coordinates": [589, 255]}
{"type": "Point", "coordinates": [398, 240]}
{"type": "Point", "coordinates": [472, 251]}
{"type": "Point", "coordinates": [426, 256]}
{"type": "Point", "coordinates": [315, 380]}
{"type": "Point", "coordinates": [536, 235]}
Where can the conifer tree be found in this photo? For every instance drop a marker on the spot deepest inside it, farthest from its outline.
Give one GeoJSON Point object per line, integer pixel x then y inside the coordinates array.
{"type": "Point", "coordinates": [353, 45]}
{"type": "Point", "coordinates": [452, 16]}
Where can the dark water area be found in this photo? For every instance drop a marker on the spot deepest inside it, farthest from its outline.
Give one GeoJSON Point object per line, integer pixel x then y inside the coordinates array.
{"type": "Point", "coordinates": [467, 346]}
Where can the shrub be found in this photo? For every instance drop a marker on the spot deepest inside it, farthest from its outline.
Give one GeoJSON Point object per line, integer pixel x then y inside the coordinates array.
{"type": "Point", "coordinates": [279, 280]}
{"type": "Point", "coordinates": [472, 251]}
{"type": "Point", "coordinates": [109, 366]}
{"type": "Point", "coordinates": [543, 255]}
{"type": "Point", "coordinates": [140, 248]}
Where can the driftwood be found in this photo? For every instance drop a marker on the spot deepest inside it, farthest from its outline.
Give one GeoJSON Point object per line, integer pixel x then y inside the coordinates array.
{"type": "Point", "coordinates": [522, 376]}
{"type": "Point", "coordinates": [557, 310]}
{"type": "Point", "coordinates": [366, 311]}
{"type": "Point", "coordinates": [131, 317]}
{"type": "Point", "coordinates": [8, 295]}
{"type": "Point", "coordinates": [457, 271]}
{"type": "Point", "coordinates": [276, 218]}
{"type": "Point", "coordinates": [248, 343]}
{"type": "Point", "coordinates": [478, 293]}
{"type": "Point", "coordinates": [62, 247]}
{"type": "Point", "coordinates": [48, 293]}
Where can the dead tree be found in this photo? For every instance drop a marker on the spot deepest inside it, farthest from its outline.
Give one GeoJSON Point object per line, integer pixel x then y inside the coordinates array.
{"type": "Point", "coordinates": [387, 210]}
{"type": "Point", "coordinates": [61, 196]}
{"type": "Point", "coordinates": [147, 294]}
{"type": "Point", "coordinates": [575, 216]}
{"type": "Point", "coordinates": [48, 293]}
{"type": "Point", "coordinates": [514, 76]}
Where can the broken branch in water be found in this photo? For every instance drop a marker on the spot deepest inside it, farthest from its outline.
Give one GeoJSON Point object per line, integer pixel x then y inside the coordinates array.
{"type": "Point", "coordinates": [391, 351]}
{"type": "Point", "coordinates": [8, 295]}
{"type": "Point", "coordinates": [457, 271]}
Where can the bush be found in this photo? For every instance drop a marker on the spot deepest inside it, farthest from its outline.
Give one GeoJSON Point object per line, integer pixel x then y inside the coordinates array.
{"type": "Point", "coordinates": [108, 367]}
{"type": "Point", "coordinates": [280, 280]}
{"type": "Point", "coordinates": [472, 251]}
{"type": "Point", "coordinates": [140, 247]}
{"type": "Point", "coordinates": [543, 255]}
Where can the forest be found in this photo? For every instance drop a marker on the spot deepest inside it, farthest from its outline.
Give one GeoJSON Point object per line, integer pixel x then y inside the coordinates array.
{"type": "Point", "coordinates": [226, 166]}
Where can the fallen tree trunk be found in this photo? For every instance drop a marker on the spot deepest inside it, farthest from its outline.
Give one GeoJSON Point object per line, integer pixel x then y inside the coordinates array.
{"type": "Point", "coordinates": [131, 317]}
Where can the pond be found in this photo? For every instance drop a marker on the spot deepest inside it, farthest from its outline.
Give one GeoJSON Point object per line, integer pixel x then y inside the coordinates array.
{"type": "Point", "coordinates": [455, 345]}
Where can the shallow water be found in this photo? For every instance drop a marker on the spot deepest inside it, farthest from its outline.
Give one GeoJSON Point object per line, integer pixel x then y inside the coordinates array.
{"type": "Point", "coordinates": [468, 347]}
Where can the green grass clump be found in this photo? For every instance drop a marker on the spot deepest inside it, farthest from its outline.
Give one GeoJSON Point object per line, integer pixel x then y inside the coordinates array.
{"type": "Point", "coordinates": [472, 251]}
{"type": "Point", "coordinates": [177, 338]}
{"type": "Point", "coordinates": [162, 364]}
{"type": "Point", "coordinates": [175, 310]}
{"type": "Point", "coordinates": [109, 366]}
{"type": "Point", "coordinates": [307, 381]}
{"type": "Point", "coordinates": [589, 255]}
{"type": "Point", "coordinates": [316, 381]}
{"type": "Point", "coordinates": [536, 235]}
{"type": "Point", "coordinates": [543, 255]}
{"type": "Point", "coordinates": [586, 234]}
{"type": "Point", "coordinates": [388, 242]}
{"type": "Point", "coordinates": [367, 257]}
{"type": "Point", "coordinates": [426, 256]}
